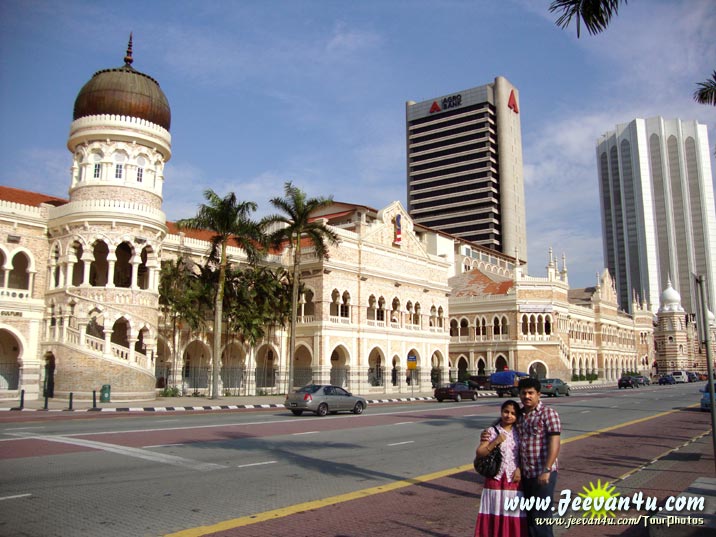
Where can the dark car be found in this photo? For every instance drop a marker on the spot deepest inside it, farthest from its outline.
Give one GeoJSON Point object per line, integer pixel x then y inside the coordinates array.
{"type": "Point", "coordinates": [628, 382]}
{"type": "Point", "coordinates": [554, 387]}
{"type": "Point", "coordinates": [456, 390]}
{"type": "Point", "coordinates": [641, 380]}
{"type": "Point", "coordinates": [480, 382]}
{"type": "Point", "coordinates": [322, 399]}
{"type": "Point", "coordinates": [693, 377]}
{"type": "Point", "coordinates": [667, 379]}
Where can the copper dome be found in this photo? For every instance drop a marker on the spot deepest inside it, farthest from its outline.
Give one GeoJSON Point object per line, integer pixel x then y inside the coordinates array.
{"type": "Point", "coordinates": [123, 91]}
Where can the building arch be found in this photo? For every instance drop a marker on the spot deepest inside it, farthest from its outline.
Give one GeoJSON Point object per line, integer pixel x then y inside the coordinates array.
{"type": "Point", "coordinates": [340, 358]}
{"type": "Point", "coordinates": [501, 363]}
{"type": "Point", "coordinates": [197, 360]}
{"type": "Point", "coordinates": [537, 369]}
{"type": "Point", "coordinates": [376, 366]}
{"type": "Point", "coordinates": [266, 366]}
{"type": "Point", "coordinates": [303, 365]}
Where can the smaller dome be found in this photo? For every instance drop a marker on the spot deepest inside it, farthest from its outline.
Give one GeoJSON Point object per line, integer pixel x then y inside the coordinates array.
{"type": "Point", "coordinates": [670, 299]}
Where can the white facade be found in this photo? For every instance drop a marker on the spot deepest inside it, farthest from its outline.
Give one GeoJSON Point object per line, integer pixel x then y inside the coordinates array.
{"type": "Point", "coordinates": [658, 215]}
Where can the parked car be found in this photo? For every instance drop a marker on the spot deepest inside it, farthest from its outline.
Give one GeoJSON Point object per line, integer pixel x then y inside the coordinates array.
{"type": "Point", "coordinates": [480, 382]}
{"type": "Point", "coordinates": [680, 376]}
{"type": "Point", "coordinates": [322, 399]}
{"type": "Point", "coordinates": [667, 379]}
{"type": "Point", "coordinates": [456, 390]}
{"type": "Point", "coordinates": [705, 399]}
{"type": "Point", "coordinates": [693, 377]}
{"type": "Point", "coordinates": [628, 382]}
{"type": "Point", "coordinates": [554, 387]}
{"type": "Point", "coordinates": [642, 380]}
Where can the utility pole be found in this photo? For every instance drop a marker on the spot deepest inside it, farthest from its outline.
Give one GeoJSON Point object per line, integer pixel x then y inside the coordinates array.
{"type": "Point", "coordinates": [705, 336]}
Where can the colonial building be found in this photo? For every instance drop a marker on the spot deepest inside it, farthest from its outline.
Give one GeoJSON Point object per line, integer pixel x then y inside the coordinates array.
{"type": "Point", "coordinates": [538, 325]}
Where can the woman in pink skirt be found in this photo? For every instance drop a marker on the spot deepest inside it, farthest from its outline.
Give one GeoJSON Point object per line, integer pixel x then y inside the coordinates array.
{"type": "Point", "coordinates": [493, 520]}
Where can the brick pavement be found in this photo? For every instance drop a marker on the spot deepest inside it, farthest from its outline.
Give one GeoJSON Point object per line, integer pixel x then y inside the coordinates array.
{"type": "Point", "coordinates": [447, 506]}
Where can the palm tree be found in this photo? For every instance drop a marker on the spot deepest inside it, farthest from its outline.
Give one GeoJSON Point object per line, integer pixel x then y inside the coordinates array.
{"type": "Point", "coordinates": [595, 14]}
{"type": "Point", "coordinates": [706, 92]}
{"type": "Point", "coordinates": [298, 229]}
{"type": "Point", "coordinates": [229, 220]}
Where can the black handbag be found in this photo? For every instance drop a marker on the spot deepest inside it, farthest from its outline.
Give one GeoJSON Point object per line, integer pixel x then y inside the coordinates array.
{"type": "Point", "coordinates": [489, 465]}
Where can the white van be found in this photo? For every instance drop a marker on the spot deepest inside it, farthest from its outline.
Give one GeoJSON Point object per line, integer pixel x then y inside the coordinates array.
{"type": "Point", "coordinates": [680, 376]}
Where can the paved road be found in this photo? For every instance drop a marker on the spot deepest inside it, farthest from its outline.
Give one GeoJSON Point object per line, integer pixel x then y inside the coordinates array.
{"type": "Point", "coordinates": [160, 474]}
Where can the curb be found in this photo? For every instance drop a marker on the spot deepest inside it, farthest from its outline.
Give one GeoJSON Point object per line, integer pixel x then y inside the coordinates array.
{"type": "Point", "coordinates": [192, 408]}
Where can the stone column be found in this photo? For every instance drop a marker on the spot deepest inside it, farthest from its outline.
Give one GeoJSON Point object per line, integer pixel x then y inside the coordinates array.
{"type": "Point", "coordinates": [108, 344]}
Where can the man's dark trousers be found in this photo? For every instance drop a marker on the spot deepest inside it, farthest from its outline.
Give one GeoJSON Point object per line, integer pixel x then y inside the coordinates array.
{"type": "Point", "coordinates": [532, 489]}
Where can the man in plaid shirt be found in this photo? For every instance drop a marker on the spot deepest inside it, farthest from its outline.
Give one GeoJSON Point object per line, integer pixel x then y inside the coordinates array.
{"type": "Point", "coordinates": [539, 430]}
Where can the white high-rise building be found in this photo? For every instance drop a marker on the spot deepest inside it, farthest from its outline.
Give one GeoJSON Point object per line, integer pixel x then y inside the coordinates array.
{"type": "Point", "coordinates": [658, 215]}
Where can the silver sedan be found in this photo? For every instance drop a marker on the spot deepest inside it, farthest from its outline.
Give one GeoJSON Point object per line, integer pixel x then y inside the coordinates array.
{"type": "Point", "coordinates": [322, 399]}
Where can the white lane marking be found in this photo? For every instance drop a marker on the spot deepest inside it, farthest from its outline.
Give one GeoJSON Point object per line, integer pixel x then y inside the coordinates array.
{"type": "Point", "coordinates": [586, 411]}
{"type": "Point", "coordinates": [256, 464]}
{"type": "Point", "coordinates": [14, 497]}
{"type": "Point", "coordinates": [401, 443]}
{"type": "Point", "coordinates": [23, 428]}
{"type": "Point", "coordinates": [471, 415]}
{"type": "Point", "coordinates": [306, 432]}
{"type": "Point", "coordinates": [161, 445]}
{"type": "Point", "coordinates": [403, 422]}
{"type": "Point", "coordinates": [130, 452]}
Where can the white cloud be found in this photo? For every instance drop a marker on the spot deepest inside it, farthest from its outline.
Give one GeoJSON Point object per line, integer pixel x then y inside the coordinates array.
{"type": "Point", "coordinates": [345, 40]}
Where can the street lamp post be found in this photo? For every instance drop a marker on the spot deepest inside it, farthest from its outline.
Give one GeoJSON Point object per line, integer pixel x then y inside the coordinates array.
{"type": "Point", "coordinates": [705, 336]}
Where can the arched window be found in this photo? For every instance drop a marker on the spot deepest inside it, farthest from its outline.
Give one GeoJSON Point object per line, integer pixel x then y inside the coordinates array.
{"type": "Point", "coordinates": [380, 312]}
{"type": "Point", "coordinates": [454, 330]}
{"type": "Point", "coordinates": [122, 266]}
{"type": "Point", "coordinates": [371, 307]}
{"type": "Point", "coordinates": [464, 327]}
{"type": "Point", "coordinates": [345, 305]}
{"type": "Point", "coordinates": [99, 268]}
{"type": "Point", "coordinates": [335, 299]}
{"type": "Point", "coordinates": [416, 314]}
{"type": "Point", "coordinates": [496, 330]}
{"type": "Point", "coordinates": [395, 312]}
{"type": "Point", "coordinates": [119, 160]}
{"type": "Point", "coordinates": [19, 276]}
{"type": "Point", "coordinates": [141, 163]}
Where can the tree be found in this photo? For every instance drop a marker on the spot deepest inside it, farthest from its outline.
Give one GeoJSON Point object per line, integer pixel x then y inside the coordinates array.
{"type": "Point", "coordinates": [595, 14]}
{"type": "Point", "coordinates": [296, 227]}
{"type": "Point", "coordinates": [706, 92]}
{"type": "Point", "coordinates": [182, 298]}
{"type": "Point", "coordinates": [230, 221]}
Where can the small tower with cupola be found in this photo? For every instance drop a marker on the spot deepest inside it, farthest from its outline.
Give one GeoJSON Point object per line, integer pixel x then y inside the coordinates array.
{"type": "Point", "coordinates": [105, 244]}
{"type": "Point", "coordinates": [671, 336]}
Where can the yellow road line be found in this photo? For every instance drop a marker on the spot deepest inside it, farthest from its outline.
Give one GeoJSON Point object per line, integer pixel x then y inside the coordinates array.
{"type": "Point", "coordinates": [200, 531]}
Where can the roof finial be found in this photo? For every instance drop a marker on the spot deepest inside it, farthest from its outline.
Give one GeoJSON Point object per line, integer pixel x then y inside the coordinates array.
{"type": "Point", "coordinates": [128, 58]}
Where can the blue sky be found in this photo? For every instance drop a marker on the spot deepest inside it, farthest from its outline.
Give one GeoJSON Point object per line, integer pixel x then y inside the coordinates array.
{"type": "Point", "coordinates": [314, 92]}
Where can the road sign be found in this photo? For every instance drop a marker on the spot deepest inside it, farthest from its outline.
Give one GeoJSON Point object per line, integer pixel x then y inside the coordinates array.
{"type": "Point", "coordinates": [412, 362]}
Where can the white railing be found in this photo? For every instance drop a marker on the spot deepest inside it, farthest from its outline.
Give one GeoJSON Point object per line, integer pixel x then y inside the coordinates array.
{"type": "Point", "coordinates": [94, 343]}
{"type": "Point", "coordinates": [306, 319]}
{"type": "Point", "coordinates": [378, 324]}
{"type": "Point", "coordinates": [339, 320]}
